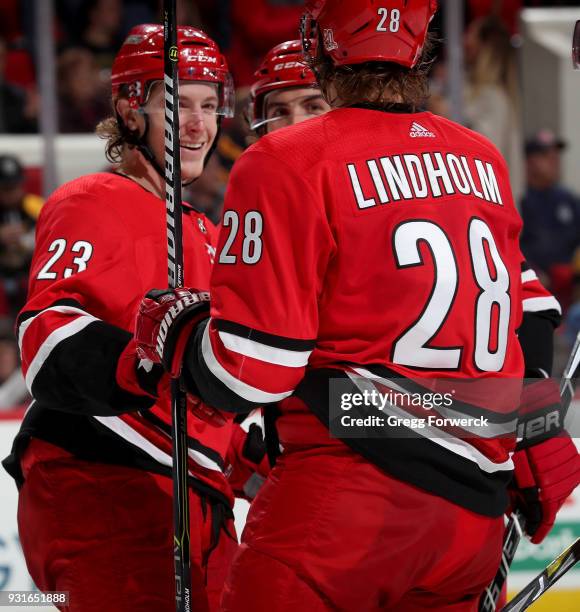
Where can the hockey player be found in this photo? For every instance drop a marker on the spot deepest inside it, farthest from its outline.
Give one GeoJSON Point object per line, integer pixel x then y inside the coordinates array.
{"type": "Point", "coordinates": [376, 242]}
{"type": "Point", "coordinates": [93, 456]}
{"type": "Point", "coordinates": [285, 92]}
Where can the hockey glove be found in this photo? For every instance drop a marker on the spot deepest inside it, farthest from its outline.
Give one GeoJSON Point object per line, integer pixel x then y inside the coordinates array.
{"type": "Point", "coordinates": [248, 461]}
{"type": "Point", "coordinates": [138, 376]}
{"type": "Point", "coordinates": [545, 475]}
{"type": "Point", "coordinates": [165, 321]}
{"type": "Point", "coordinates": [547, 463]}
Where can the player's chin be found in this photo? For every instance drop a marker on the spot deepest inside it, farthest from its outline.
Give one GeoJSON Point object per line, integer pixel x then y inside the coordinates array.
{"type": "Point", "coordinates": [191, 169]}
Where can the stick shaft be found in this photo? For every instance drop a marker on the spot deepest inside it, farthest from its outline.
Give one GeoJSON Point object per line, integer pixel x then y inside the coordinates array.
{"type": "Point", "coordinates": [516, 524]}
{"type": "Point", "coordinates": [565, 561]}
{"type": "Point", "coordinates": [181, 546]}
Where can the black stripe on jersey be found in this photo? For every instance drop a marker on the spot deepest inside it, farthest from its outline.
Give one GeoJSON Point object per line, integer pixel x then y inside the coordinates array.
{"type": "Point", "coordinates": [192, 443]}
{"type": "Point", "coordinates": [80, 374]}
{"type": "Point", "coordinates": [88, 440]}
{"type": "Point", "coordinates": [416, 460]}
{"type": "Point", "coordinates": [412, 386]}
{"type": "Point", "coordinates": [29, 314]}
{"type": "Point", "coordinates": [281, 342]}
{"type": "Point", "coordinates": [200, 381]}
{"type": "Point", "coordinates": [525, 266]}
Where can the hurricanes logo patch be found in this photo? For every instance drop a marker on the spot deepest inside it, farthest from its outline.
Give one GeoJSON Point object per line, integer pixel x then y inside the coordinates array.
{"type": "Point", "coordinates": [329, 42]}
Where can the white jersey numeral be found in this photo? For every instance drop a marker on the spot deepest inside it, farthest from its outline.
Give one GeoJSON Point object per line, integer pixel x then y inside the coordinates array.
{"type": "Point", "coordinates": [411, 348]}
{"type": "Point", "coordinates": [494, 291]}
{"type": "Point", "coordinates": [59, 247]}
{"type": "Point", "coordinates": [252, 242]}
{"type": "Point", "coordinates": [394, 21]}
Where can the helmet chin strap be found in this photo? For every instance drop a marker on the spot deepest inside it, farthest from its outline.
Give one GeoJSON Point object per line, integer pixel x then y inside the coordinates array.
{"type": "Point", "coordinates": [143, 146]}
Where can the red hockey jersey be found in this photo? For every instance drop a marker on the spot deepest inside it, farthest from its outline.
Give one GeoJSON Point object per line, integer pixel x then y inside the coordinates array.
{"type": "Point", "coordinates": [380, 243]}
{"type": "Point", "coordinates": [100, 246]}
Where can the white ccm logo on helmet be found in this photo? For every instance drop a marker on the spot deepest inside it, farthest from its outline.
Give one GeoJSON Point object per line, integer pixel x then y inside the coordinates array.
{"type": "Point", "coordinates": [286, 65]}
{"type": "Point", "coordinates": [206, 59]}
{"type": "Point", "coordinates": [173, 313]}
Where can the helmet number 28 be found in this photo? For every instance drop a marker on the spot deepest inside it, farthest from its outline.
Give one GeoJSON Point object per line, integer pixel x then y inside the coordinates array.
{"type": "Point", "coordinates": [391, 19]}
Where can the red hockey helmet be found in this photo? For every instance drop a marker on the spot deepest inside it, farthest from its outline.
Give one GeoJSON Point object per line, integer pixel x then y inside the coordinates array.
{"type": "Point", "coordinates": [576, 46]}
{"type": "Point", "coordinates": [139, 63]}
{"type": "Point", "coordinates": [357, 31]}
{"type": "Point", "coordinates": [282, 67]}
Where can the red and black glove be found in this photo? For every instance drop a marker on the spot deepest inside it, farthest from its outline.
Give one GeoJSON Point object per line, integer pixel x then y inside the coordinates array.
{"type": "Point", "coordinates": [547, 463]}
{"type": "Point", "coordinates": [248, 460]}
{"type": "Point", "coordinates": [139, 376]}
{"type": "Point", "coordinates": [165, 321]}
{"type": "Point", "coordinates": [545, 475]}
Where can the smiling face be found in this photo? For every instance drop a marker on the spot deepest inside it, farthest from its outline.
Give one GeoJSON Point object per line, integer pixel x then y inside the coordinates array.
{"type": "Point", "coordinates": [290, 106]}
{"type": "Point", "coordinates": [198, 103]}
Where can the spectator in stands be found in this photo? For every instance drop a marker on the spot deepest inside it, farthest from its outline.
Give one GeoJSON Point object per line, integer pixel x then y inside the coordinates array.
{"type": "Point", "coordinates": [13, 390]}
{"type": "Point", "coordinates": [256, 26]}
{"type": "Point", "coordinates": [551, 212]}
{"type": "Point", "coordinates": [507, 10]}
{"type": "Point", "coordinates": [492, 95]}
{"type": "Point", "coordinates": [100, 25]}
{"type": "Point", "coordinates": [236, 135]}
{"type": "Point", "coordinates": [18, 108]}
{"type": "Point", "coordinates": [82, 92]}
{"type": "Point", "coordinates": [18, 213]}
{"type": "Point", "coordinates": [8, 356]}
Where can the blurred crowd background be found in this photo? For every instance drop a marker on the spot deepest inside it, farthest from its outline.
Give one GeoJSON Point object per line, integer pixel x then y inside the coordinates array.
{"type": "Point", "coordinates": [88, 33]}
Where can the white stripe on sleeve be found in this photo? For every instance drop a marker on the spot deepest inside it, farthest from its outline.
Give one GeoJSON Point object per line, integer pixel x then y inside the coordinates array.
{"type": "Point", "coordinates": [240, 388]}
{"type": "Point", "coordinates": [57, 336]}
{"type": "Point", "coordinates": [64, 309]}
{"type": "Point", "coordinates": [537, 304]}
{"type": "Point", "coordinates": [264, 352]}
{"type": "Point", "coordinates": [529, 275]}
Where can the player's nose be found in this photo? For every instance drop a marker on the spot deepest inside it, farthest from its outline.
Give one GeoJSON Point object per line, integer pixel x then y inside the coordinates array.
{"type": "Point", "coordinates": [295, 116]}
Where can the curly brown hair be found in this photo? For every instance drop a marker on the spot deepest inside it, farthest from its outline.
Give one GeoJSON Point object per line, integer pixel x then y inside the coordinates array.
{"type": "Point", "coordinates": [379, 84]}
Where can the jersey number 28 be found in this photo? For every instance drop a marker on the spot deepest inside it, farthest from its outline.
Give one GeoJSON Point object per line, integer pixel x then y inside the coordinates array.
{"type": "Point", "coordinates": [411, 348]}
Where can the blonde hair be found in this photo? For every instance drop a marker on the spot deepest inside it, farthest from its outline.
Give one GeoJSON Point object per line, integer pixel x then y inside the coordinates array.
{"type": "Point", "coordinates": [118, 136]}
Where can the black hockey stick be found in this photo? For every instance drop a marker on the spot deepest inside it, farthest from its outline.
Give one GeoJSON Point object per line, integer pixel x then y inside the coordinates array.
{"type": "Point", "coordinates": [181, 551]}
{"type": "Point", "coordinates": [511, 539]}
{"type": "Point", "coordinates": [565, 561]}
{"type": "Point", "coordinates": [516, 525]}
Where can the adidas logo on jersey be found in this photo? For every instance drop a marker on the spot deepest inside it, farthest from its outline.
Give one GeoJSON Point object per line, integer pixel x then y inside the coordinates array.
{"type": "Point", "coordinates": [418, 131]}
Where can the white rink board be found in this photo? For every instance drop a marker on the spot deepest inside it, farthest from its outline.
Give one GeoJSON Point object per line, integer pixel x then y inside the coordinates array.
{"type": "Point", "coordinates": [13, 573]}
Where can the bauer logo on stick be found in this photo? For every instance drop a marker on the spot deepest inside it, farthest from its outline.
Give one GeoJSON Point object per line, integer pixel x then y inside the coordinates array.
{"type": "Point", "coordinates": [173, 54]}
